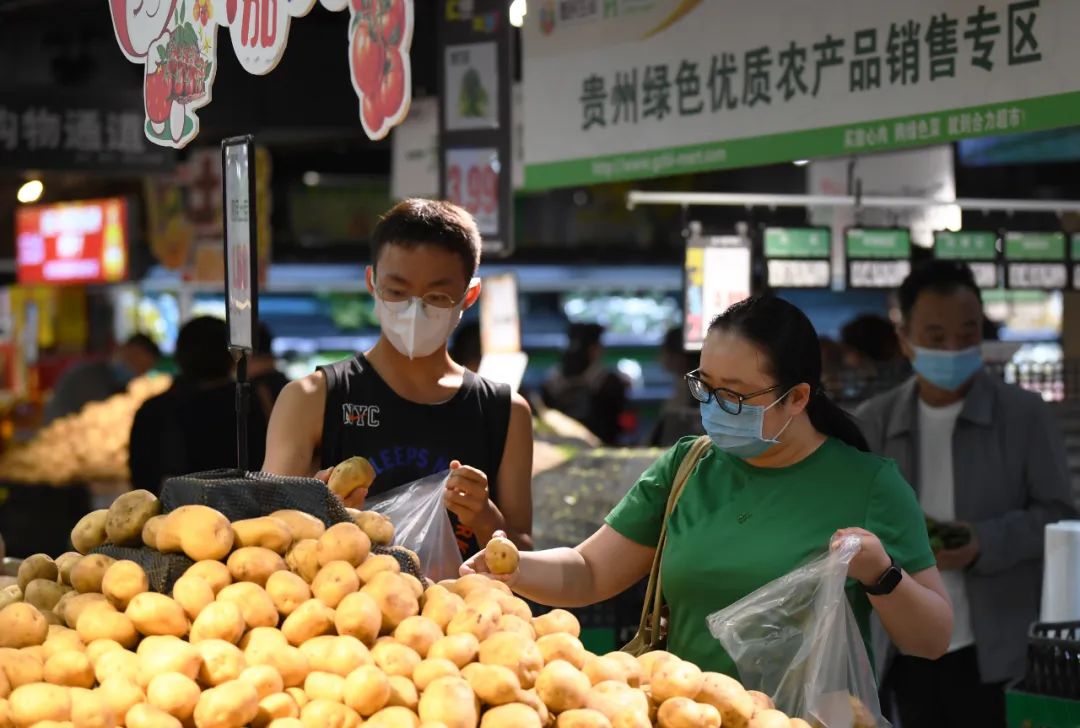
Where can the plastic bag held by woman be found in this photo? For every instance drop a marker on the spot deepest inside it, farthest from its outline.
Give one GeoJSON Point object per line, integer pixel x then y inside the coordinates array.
{"type": "Point", "coordinates": [418, 511]}
{"type": "Point", "coordinates": [796, 639]}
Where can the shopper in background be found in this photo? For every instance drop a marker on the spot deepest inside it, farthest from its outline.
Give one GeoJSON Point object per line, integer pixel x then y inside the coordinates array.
{"type": "Point", "coordinates": [99, 380]}
{"type": "Point", "coordinates": [584, 389]}
{"type": "Point", "coordinates": [405, 405]}
{"type": "Point", "coordinates": [987, 460]}
{"type": "Point", "coordinates": [467, 349]}
{"type": "Point", "coordinates": [679, 415]}
{"type": "Point", "coordinates": [786, 474]}
{"type": "Point", "coordinates": [266, 380]}
{"type": "Point", "coordinates": [192, 426]}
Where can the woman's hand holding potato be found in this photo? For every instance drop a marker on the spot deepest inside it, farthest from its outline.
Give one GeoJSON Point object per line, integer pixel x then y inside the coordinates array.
{"type": "Point", "coordinates": [478, 563]}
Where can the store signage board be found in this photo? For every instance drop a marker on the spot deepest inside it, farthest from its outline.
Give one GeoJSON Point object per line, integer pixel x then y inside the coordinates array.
{"type": "Point", "coordinates": [798, 257]}
{"type": "Point", "coordinates": [241, 265]}
{"type": "Point", "coordinates": [177, 45]}
{"type": "Point", "coordinates": [1036, 260]}
{"type": "Point", "coordinates": [628, 90]}
{"type": "Point", "coordinates": [977, 248]}
{"type": "Point", "coordinates": [717, 272]}
{"type": "Point", "coordinates": [1074, 245]}
{"type": "Point", "coordinates": [475, 119]}
{"type": "Point", "coordinates": [500, 331]}
{"type": "Point", "coordinates": [877, 258]}
{"type": "Point", "coordinates": [73, 243]}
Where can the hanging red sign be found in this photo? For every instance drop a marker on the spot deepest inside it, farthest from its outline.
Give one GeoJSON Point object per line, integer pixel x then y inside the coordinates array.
{"type": "Point", "coordinates": [176, 41]}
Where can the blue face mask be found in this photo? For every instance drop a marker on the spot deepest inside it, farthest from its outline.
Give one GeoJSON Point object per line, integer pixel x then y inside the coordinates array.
{"type": "Point", "coordinates": [948, 370]}
{"type": "Point", "coordinates": [740, 435]}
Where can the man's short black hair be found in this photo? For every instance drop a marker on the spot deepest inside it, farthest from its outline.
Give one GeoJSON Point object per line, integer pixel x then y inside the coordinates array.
{"type": "Point", "coordinates": [940, 276]}
{"type": "Point", "coordinates": [201, 350]}
{"type": "Point", "coordinates": [417, 222]}
{"type": "Point", "coordinates": [872, 336]}
{"type": "Point", "coordinates": [144, 342]}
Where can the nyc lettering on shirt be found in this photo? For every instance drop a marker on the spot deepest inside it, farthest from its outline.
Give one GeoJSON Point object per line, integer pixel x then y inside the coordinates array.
{"type": "Point", "coordinates": [360, 415]}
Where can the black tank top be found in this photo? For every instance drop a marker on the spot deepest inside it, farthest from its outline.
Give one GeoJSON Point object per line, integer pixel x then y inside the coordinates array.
{"type": "Point", "coordinates": [406, 441]}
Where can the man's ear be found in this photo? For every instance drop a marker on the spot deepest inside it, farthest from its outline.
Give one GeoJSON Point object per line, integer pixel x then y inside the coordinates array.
{"type": "Point", "coordinates": [903, 332]}
{"type": "Point", "coordinates": [472, 294]}
{"type": "Point", "coordinates": [369, 279]}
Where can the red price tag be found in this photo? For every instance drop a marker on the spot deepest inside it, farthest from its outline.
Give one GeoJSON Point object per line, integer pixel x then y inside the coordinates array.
{"type": "Point", "coordinates": [472, 182]}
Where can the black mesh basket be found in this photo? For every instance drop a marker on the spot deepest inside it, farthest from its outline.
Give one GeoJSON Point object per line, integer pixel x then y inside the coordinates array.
{"type": "Point", "coordinates": [239, 495]}
{"type": "Point", "coordinates": [162, 570]}
{"type": "Point", "coordinates": [1053, 660]}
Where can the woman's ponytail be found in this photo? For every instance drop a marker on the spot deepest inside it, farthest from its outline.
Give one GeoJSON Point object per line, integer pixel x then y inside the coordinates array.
{"type": "Point", "coordinates": [831, 421]}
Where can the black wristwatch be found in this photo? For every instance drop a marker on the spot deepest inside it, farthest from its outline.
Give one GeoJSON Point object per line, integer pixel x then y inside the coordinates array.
{"type": "Point", "coordinates": [888, 581]}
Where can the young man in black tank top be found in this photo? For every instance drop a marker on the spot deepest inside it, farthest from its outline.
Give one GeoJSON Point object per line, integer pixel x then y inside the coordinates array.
{"type": "Point", "coordinates": [405, 405]}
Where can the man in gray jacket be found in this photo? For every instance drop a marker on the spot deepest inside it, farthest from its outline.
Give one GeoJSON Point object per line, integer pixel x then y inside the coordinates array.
{"type": "Point", "coordinates": [988, 463]}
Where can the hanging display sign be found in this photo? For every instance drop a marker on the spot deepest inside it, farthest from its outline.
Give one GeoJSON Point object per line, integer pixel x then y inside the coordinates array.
{"type": "Point", "coordinates": [798, 257]}
{"type": "Point", "coordinates": [627, 89]}
{"type": "Point", "coordinates": [1075, 257]}
{"type": "Point", "coordinates": [82, 242]}
{"type": "Point", "coordinates": [241, 232]}
{"type": "Point", "coordinates": [877, 258]}
{"type": "Point", "coordinates": [475, 124]}
{"type": "Point", "coordinates": [977, 248]}
{"type": "Point", "coordinates": [1036, 260]}
{"type": "Point", "coordinates": [500, 331]}
{"type": "Point", "coordinates": [176, 42]}
{"type": "Point", "coordinates": [717, 271]}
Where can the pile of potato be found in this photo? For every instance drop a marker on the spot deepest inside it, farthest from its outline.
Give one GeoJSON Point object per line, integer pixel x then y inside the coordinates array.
{"type": "Point", "coordinates": [284, 623]}
{"type": "Point", "coordinates": [90, 446]}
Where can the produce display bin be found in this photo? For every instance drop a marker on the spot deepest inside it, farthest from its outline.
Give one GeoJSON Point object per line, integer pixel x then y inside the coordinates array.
{"type": "Point", "coordinates": [1049, 694]}
{"type": "Point", "coordinates": [39, 518]}
{"type": "Point", "coordinates": [1028, 710]}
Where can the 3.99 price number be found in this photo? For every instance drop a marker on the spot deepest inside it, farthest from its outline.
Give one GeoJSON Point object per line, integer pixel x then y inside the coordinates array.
{"type": "Point", "coordinates": [472, 181]}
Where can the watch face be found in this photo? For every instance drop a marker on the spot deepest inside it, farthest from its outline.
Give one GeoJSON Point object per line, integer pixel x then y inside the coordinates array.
{"type": "Point", "coordinates": [890, 580]}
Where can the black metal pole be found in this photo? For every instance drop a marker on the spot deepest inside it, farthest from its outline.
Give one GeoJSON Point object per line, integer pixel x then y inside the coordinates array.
{"type": "Point", "coordinates": [243, 406]}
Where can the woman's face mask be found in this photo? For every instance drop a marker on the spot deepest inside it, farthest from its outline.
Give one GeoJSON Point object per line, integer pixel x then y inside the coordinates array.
{"type": "Point", "coordinates": [741, 435]}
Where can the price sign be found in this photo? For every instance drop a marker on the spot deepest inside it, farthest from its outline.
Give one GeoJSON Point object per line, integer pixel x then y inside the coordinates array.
{"type": "Point", "coordinates": [799, 273]}
{"type": "Point", "coordinates": [717, 271]}
{"type": "Point", "coordinates": [798, 257]}
{"type": "Point", "coordinates": [238, 173]}
{"type": "Point", "coordinates": [877, 273]}
{"type": "Point", "coordinates": [878, 258]}
{"type": "Point", "coordinates": [1038, 276]}
{"type": "Point", "coordinates": [472, 181]}
{"type": "Point", "coordinates": [1036, 260]}
{"type": "Point", "coordinates": [977, 248]}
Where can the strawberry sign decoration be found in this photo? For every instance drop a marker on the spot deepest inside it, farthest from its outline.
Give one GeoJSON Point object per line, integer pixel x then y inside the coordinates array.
{"type": "Point", "coordinates": [176, 41]}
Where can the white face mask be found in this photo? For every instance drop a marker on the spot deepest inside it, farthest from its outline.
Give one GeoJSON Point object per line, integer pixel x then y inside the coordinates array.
{"type": "Point", "coordinates": [414, 328]}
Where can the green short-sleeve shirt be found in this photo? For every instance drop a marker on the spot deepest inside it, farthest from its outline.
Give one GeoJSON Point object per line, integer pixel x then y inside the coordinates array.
{"type": "Point", "coordinates": [737, 527]}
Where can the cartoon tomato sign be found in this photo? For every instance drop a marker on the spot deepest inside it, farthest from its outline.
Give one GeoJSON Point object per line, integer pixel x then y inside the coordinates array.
{"type": "Point", "coordinates": [380, 36]}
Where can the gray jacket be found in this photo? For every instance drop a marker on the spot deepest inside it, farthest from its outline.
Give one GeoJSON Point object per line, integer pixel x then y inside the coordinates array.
{"type": "Point", "coordinates": [1011, 479]}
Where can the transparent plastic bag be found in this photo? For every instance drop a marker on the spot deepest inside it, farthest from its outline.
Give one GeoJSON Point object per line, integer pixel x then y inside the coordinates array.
{"type": "Point", "coordinates": [796, 640]}
{"type": "Point", "coordinates": [421, 524]}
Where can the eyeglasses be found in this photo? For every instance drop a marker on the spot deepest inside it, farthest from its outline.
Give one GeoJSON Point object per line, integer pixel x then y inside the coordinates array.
{"type": "Point", "coordinates": [729, 401]}
{"type": "Point", "coordinates": [435, 299]}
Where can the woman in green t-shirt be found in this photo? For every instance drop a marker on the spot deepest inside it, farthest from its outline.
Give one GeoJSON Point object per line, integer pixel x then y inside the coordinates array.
{"type": "Point", "coordinates": [788, 472]}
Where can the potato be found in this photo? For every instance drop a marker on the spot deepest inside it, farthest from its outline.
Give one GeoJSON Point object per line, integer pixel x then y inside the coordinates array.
{"type": "Point", "coordinates": [303, 559]}
{"type": "Point", "coordinates": [601, 669]}
{"type": "Point", "coordinates": [324, 686]}
{"type": "Point", "coordinates": [419, 634]}
{"type": "Point", "coordinates": [128, 514]}
{"type": "Point", "coordinates": [303, 526]}
{"type": "Point", "coordinates": [761, 700]}
{"type": "Point", "coordinates": [255, 604]}
{"type": "Point", "coordinates": [260, 643]}
{"type": "Point", "coordinates": [675, 679]}
{"type": "Point", "coordinates": [254, 564]}
{"type": "Point", "coordinates": [124, 580]}
{"type": "Point", "coordinates": [460, 649]}
{"type": "Point", "coordinates": [285, 723]}
{"type": "Point", "coordinates": [648, 662]}
{"type": "Point", "coordinates": [481, 620]}
{"type": "Point", "coordinates": [147, 716]}
{"type": "Point", "coordinates": [39, 702]}
{"type": "Point", "coordinates": [377, 527]}
{"type": "Point", "coordinates": [441, 605]}
{"type": "Point", "coordinates": [769, 718]}
{"type": "Point", "coordinates": [6, 719]}
{"type": "Point", "coordinates": [121, 695]}
{"type": "Point", "coordinates": [615, 699]}
{"type": "Point", "coordinates": [376, 563]}
{"type": "Point", "coordinates": [337, 655]}
{"type": "Point", "coordinates": [555, 621]}
{"type": "Point", "coordinates": [203, 533]}
{"type": "Point", "coordinates": [89, 532]}
{"type": "Point", "coordinates": [511, 715]}
{"type": "Point", "coordinates": [89, 710]}
{"type": "Point", "coordinates": [64, 563]}
{"type": "Point", "coordinates": [562, 686]}
{"type": "Point", "coordinates": [99, 648]}
{"type": "Point", "coordinates": [680, 712]}
{"type": "Point", "coordinates": [311, 619]}
{"type": "Point", "coordinates": [432, 669]}
{"type": "Point", "coordinates": [20, 668]}
{"type": "Point", "coordinates": [66, 640]}
{"type": "Point", "coordinates": [366, 690]}
{"type": "Point", "coordinates": [343, 542]}
{"type": "Point", "coordinates": [264, 678]}
{"type": "Point", "coordinates": [328, 714]}
{"type": "Point", "coordinates": [10, 597]}
{"type": "Point", "coordinates": [493, 684]}
{"type": "Point", "coordinates": [403, 693]}
{"type": "Point", "coordinates": [275, 707]}
{"type": "Point", "coordinates": [334, 582]}
{"type": "Point", "coordinates": [70, 669]}
{"type": "Point", "coordinates": [393, 596]}
{"type": "Point", "coordinates": [450, 700]}
{"type": "Point", "coordinates": [352, 474]}
{"type": "Point", "coordinates": [291, 664]}
{"type": "Point", "coordinates": [393, 717]}
{"type": "Point", "coordinates": [800, 723]}
{"type": "Point", "coordinates": [21, 625]}
{"type": "Point", "coordinates": [175, 694]}
{"type": "Point", "coordinates": [298, 695]}
{"type": "Point", "coordinates": [193, 595]}
{"type": "Point", "coordinates": [515, 652]}
{"type": "Point", "coordinates": [220, 662]}
{"type": "Point", "coordinates": [583, 719]}
{"type": "Point", "coordinates": [151, 529]}
{"type": "Point", "coordinates": [218, 621]}
{"type": "Point", "coordinates": [501, 556]}
{"type": "Point", "coordinates": [395, 659]}
{"type": "Point", "coordinates": [44, 594]}
{"type": "Point", "coordinates": [38, 566]}
{"type": "Point", "coordinates": [214, 573]}
{"type": "Point", "coordinates": [729, 697]}
{"type": "Point", "coordinates": [562, 646]}
{"type": "Point", "coordinates": [229, 705]}
{"type": "Point", "coordinates": [157, 614]}
{"type": "Point", "coordinates": [288, 591]}
{"type": "Point", "coordinates": [159, 655]}
{"type": "Point", "coordinates": [88, 573]}
{"type": "Point", "coordinates": [122, 663]}
{"type": "Point", "coordinates": [266, 532]}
